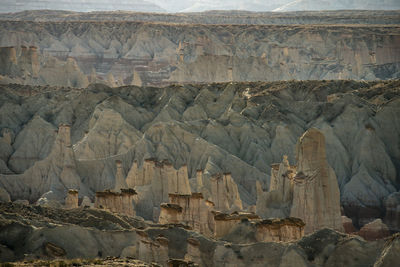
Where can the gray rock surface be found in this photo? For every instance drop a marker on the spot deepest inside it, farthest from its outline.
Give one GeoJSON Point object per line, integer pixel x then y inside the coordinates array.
{"type": "Point", "coordinates": [166, 53]}
{"type": "Point", "coordinates": [30, 232]}
{"type": "Point", "coordinates": [243, 128]}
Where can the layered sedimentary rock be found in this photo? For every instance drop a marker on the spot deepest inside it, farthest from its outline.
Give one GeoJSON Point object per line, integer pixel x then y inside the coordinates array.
{"type": "Point", "coordinates": [154, 181]}
{"type": "Point", "coordinates": [170, 214]}
{"type": "Point", "coordinates": [191, 210]}
{"type": "Point", "coordinates": [118, 202]}
{"type": "Point", "coordinates": [150, 250]}
{"type": "Point", "coordinates": [225, 222]}
{"type": "Point", "coordinates": [316, 195]}
{"type": "Point", "coordinates": [26, 65]}
{"type": "Point", "coordinates": [240, 128]}
{"type": "Point", "coordinates": [208, 53]}
{"type": "Point", "coordinates": [308, 191]}
{"type": "Point", "coordinates": [275, 230]}
{"type": "Point", "coordinates": [71, 201]}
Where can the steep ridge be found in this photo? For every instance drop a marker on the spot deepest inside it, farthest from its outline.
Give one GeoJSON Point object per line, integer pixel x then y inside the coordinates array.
{"type": "Point", "coordinates": [237, 128]}
{"type": "Point", "coordinates": [163, 53]}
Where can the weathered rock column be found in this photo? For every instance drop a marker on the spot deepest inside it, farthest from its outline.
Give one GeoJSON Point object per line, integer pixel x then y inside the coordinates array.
{"type": "Point", "coordinates": [71, 201]}
{"type": "Point", "coordinates": [316, 195]}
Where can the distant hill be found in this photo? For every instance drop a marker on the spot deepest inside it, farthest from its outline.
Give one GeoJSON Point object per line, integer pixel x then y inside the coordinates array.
{"type": "Point", "coordinates": [79, 5]}
{"type": "Point", "coordinates": [302, 5]}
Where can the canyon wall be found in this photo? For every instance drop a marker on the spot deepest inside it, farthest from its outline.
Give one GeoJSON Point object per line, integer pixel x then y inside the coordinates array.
{"type": "Point", "coordinates": [74, 53]}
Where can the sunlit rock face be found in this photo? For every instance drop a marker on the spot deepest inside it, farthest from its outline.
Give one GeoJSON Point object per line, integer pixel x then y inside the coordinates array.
{"type": "Point", "coordinates": [191, 210]}
{"type": "Point", "coordinates": [316, 195]}
{"type": "Point", "coordinates": [308, 190]}
{"type": "Point", "coordinates": [118, 202]}
{"type": "Point", "coordinates": [71, 201]}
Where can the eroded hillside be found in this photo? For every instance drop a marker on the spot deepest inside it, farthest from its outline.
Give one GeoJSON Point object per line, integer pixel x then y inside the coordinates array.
{"type": "Point", "coordinates": [154, 54]}
{"type": "Point", "coordinates": [29, 233]}
{"type": "Point", "coordinates": [240, 128]}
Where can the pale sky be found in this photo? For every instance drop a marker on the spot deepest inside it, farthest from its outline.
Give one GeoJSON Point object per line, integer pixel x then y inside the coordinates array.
{"type": "Point", "coordinates": [195, 5]}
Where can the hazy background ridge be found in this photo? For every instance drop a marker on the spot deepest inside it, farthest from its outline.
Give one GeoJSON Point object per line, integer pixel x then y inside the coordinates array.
{"type": "Point", "coordinates": [196, 5]}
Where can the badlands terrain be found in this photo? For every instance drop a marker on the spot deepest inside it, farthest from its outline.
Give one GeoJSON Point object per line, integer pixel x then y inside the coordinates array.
{"type": "Point", "coordinates": [220, 138]}
{"type": "Point", "coordinates": [214, 145]}
{"type": "Point", "coordinates": [122, 48]}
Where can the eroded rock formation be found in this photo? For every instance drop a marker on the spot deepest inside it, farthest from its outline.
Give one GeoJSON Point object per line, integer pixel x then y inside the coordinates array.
{"type": "Point", "coordinates": [118, 202]}
{"type": "Point", "coordinates": [308, 191]}
{"type": "Point", "coordinates": [154, 181]}
{"type": "Point", "coordinates": [26, 65]}
{"type": "Point", "coordinates": [69, 236]}
{"type": "Point", "coordinates": [236, 127]}
{"type": "Point", "coordinates": [56, 173]}
{"type": "Point", "coordinates": [191, 210]}
{"type": "Point", "coordinates": [72, 200]}
{"type": "Point", "coordinates": [70, 53]}
{"type": "Point", "coordinates": [316, 195]}
{"type": "Point", "coordinates": [224, 193]}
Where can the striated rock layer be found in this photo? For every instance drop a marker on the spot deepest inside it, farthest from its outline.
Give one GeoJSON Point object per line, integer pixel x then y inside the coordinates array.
{"type": "Point", "coordinates": [142, 53]}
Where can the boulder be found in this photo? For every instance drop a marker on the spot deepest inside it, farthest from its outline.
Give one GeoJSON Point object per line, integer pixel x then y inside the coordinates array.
{"type": "Point", "coordinates": [374, 230]}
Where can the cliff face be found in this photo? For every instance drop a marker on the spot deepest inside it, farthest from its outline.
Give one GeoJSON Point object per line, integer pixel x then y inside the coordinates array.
{"type": "Point", "coordinates": [159, 54]}
{"type": "Point", "coordinates": [241, 128]}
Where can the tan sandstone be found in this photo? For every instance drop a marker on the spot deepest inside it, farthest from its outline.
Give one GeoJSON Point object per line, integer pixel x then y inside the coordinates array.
{"type": "Point", "coordinates": [118, 202]}
{"type": "Point", "coordinates": [71, 201]}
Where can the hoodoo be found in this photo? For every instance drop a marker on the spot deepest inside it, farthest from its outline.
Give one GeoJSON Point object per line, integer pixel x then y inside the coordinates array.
{"type": "Point", "coordinates": [308, 191]}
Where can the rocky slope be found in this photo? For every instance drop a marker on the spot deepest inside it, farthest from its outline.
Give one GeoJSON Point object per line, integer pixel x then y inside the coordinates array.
{"type": "Point", "coordinates": [142, 53]}
{"type": "Point", "coordinates": [240, 128]}
{"type": "Point", "coordinates": [28, 232]}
